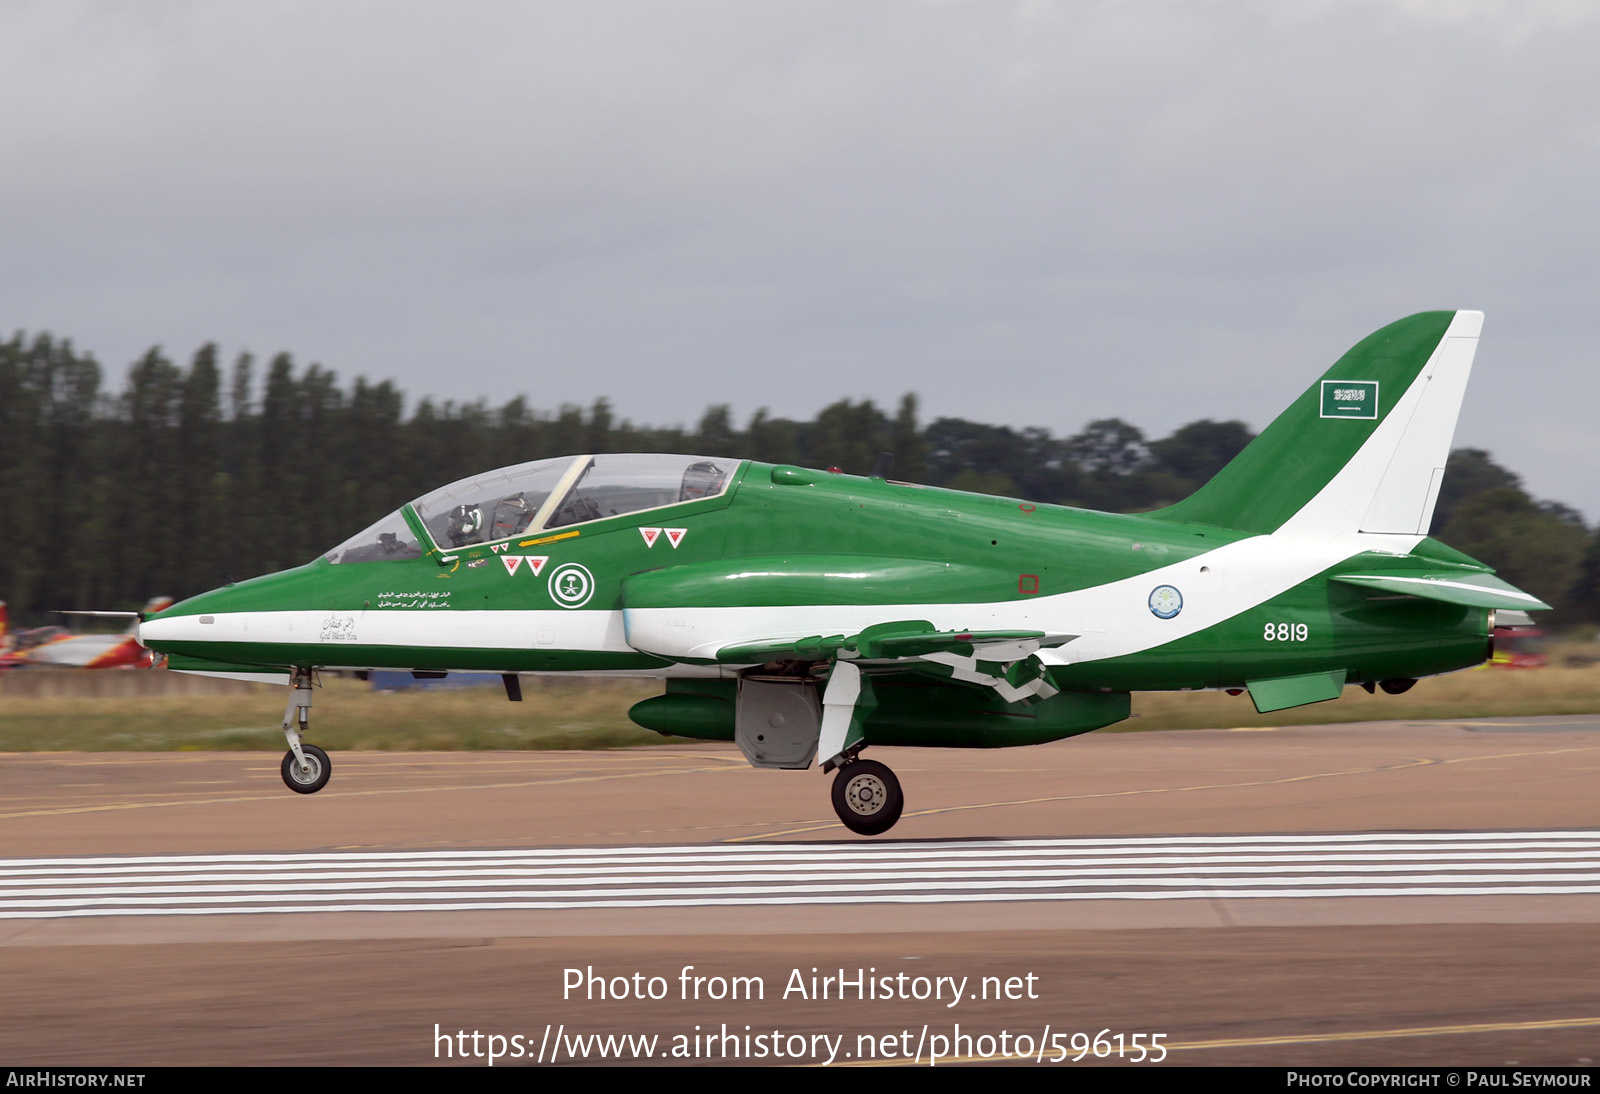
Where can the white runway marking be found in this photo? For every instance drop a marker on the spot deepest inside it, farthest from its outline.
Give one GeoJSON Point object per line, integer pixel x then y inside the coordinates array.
{"type": "Point", "coordinates": [1144, 868]}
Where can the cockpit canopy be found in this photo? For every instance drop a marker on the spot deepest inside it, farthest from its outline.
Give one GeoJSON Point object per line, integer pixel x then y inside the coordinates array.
{"type": "Point", "coordinates": [528, 498]}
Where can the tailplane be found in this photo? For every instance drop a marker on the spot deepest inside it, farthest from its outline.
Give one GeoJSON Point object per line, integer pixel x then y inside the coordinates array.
{"type": "Point", "coordinates": [1361, 450]}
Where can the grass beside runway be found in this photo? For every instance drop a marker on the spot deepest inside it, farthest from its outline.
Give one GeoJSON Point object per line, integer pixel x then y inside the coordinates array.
{"type": "Point", "coordinates": [587, 713]}
{"type": "Point", "coordinates": [345, 715]}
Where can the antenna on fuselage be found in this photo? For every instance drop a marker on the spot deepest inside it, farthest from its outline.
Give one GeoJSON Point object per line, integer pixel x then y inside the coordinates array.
{"type": "Point", "coordinates": [880, 470]}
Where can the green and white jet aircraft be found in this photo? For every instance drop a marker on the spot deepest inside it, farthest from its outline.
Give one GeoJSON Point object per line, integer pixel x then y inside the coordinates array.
{"type": "Point", "coordinates": [807, 615]}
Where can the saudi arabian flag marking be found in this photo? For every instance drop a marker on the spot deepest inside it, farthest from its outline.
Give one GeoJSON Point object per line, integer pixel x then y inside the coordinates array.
{"type": "Point", "coordinates": [1350, 399]}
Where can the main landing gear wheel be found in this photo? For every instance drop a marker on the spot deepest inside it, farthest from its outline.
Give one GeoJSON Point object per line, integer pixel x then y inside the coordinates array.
{"type": "Point", "coordinates": [867, 797]}
{"type": "Point", "coordinates": [311, 778]}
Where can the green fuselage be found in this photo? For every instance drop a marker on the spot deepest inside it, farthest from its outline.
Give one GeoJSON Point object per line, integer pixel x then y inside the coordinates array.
{"type": "Point", "coordinates": [782, 539]}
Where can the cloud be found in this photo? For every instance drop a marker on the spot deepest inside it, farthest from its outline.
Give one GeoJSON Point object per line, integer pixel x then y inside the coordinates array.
{"type": "Point", "coordinates": [1031, 213]}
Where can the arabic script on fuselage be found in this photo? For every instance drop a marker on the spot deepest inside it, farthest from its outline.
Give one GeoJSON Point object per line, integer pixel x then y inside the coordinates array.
{"type": "Point", "coordinates": [430, 598]}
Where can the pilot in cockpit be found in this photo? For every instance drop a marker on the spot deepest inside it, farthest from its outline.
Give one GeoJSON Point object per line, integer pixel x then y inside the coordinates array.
{"type": "Point", "coordinates": [464, 524]}
{"type": "Point", "coordinates": [701, 480]}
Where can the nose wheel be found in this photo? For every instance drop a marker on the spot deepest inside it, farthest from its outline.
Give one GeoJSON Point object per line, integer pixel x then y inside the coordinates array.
{"type": "Point", "coordinates": [867, 797]}
{"type": "Point", "coordinates": [305, 767]}
{"type": "Point", "coordinates": [308, 774]}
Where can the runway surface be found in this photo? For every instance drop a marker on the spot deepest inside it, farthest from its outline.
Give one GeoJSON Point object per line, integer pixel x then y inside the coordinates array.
{"type": "Point", "coordinates": [1372, 893]}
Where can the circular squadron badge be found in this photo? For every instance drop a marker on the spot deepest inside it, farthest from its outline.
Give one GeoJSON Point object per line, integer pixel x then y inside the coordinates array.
{"type": "Point", "coordinates": [1165, 602]}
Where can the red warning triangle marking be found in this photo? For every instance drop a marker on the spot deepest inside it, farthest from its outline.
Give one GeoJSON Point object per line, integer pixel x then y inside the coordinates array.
{"type": "Point", "coordinates": [536, 563]}
{"type": "Point", "coordinates": [650, 536]}
{"type": "Point", "coordinates": [675, 536]}
{"type": "Point", "coordinates": [512, 562]}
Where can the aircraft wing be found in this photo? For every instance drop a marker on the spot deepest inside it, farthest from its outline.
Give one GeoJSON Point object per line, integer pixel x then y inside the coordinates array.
{"type": "Point", "coordinates": [1005, 661]}
{"type": "Point", "coordinates": [893, 641]}
{"type": "Point", "coordinates": [1474, 589]}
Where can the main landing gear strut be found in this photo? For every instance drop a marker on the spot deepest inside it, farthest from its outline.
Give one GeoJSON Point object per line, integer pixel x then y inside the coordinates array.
{"type": "Point", "coordinates": [305, 767]}
{"type": "Point", "coordinates": [867, 796]}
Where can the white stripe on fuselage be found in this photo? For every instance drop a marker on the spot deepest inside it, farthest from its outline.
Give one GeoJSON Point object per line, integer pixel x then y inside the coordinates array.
{"type": "Point", "coordinates": [1112, 620]}
{"type": "Point", "coordinates": [443, 628]}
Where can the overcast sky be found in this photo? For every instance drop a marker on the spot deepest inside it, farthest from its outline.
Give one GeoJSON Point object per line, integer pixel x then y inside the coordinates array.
{"type": "Point", "coordinates": [1028, 213]}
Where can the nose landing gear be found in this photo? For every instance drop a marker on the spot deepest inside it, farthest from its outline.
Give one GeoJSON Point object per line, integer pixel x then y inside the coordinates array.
{"type": "Point", "coordinates": [867, 797]}
{"type": "Point", "coordinates": [305, 767]}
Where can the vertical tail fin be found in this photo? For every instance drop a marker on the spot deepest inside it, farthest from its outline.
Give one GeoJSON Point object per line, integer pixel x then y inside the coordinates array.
{"type": "Point", "coordinates": [1363, 449]}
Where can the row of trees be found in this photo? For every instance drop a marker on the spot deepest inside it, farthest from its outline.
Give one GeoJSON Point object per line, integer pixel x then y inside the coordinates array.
{"type": "Point", "coordinates": [190, 476]}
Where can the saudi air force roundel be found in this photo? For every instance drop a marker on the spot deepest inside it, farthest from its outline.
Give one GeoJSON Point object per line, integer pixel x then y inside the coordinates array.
{"type": "Point", "coordinates": [571, 585]}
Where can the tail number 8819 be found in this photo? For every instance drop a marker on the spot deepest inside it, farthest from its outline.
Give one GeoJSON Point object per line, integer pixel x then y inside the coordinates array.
{"type": "Point", "coordinates": [1286, 632]}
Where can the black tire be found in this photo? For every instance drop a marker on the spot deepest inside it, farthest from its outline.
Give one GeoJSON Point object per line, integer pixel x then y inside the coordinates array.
{"type": "Point", "coordinates": [307, 782]}
{"type": "Point", "coordinates": [867, 797]}
{"type": "Point", "coordinates": [1397, 686]}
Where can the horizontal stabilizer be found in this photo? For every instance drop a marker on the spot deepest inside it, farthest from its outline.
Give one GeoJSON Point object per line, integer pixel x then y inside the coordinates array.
{"type": "Point", "coordinates": [1473, 590]}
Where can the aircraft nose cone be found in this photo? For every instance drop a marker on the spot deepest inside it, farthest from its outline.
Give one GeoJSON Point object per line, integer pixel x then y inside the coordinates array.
{"type": "Point", "coordinates": [152, 632]}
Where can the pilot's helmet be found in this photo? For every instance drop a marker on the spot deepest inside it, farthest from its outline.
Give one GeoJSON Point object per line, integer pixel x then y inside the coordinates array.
{"type": "Point", "coordinates": [464, 522]}
{"type": "Point", "coordinates": [701, 480]}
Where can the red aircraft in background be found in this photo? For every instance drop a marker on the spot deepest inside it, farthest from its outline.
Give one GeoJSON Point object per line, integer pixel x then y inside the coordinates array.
{"type": "Point", "coordinates": [57, 647]}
